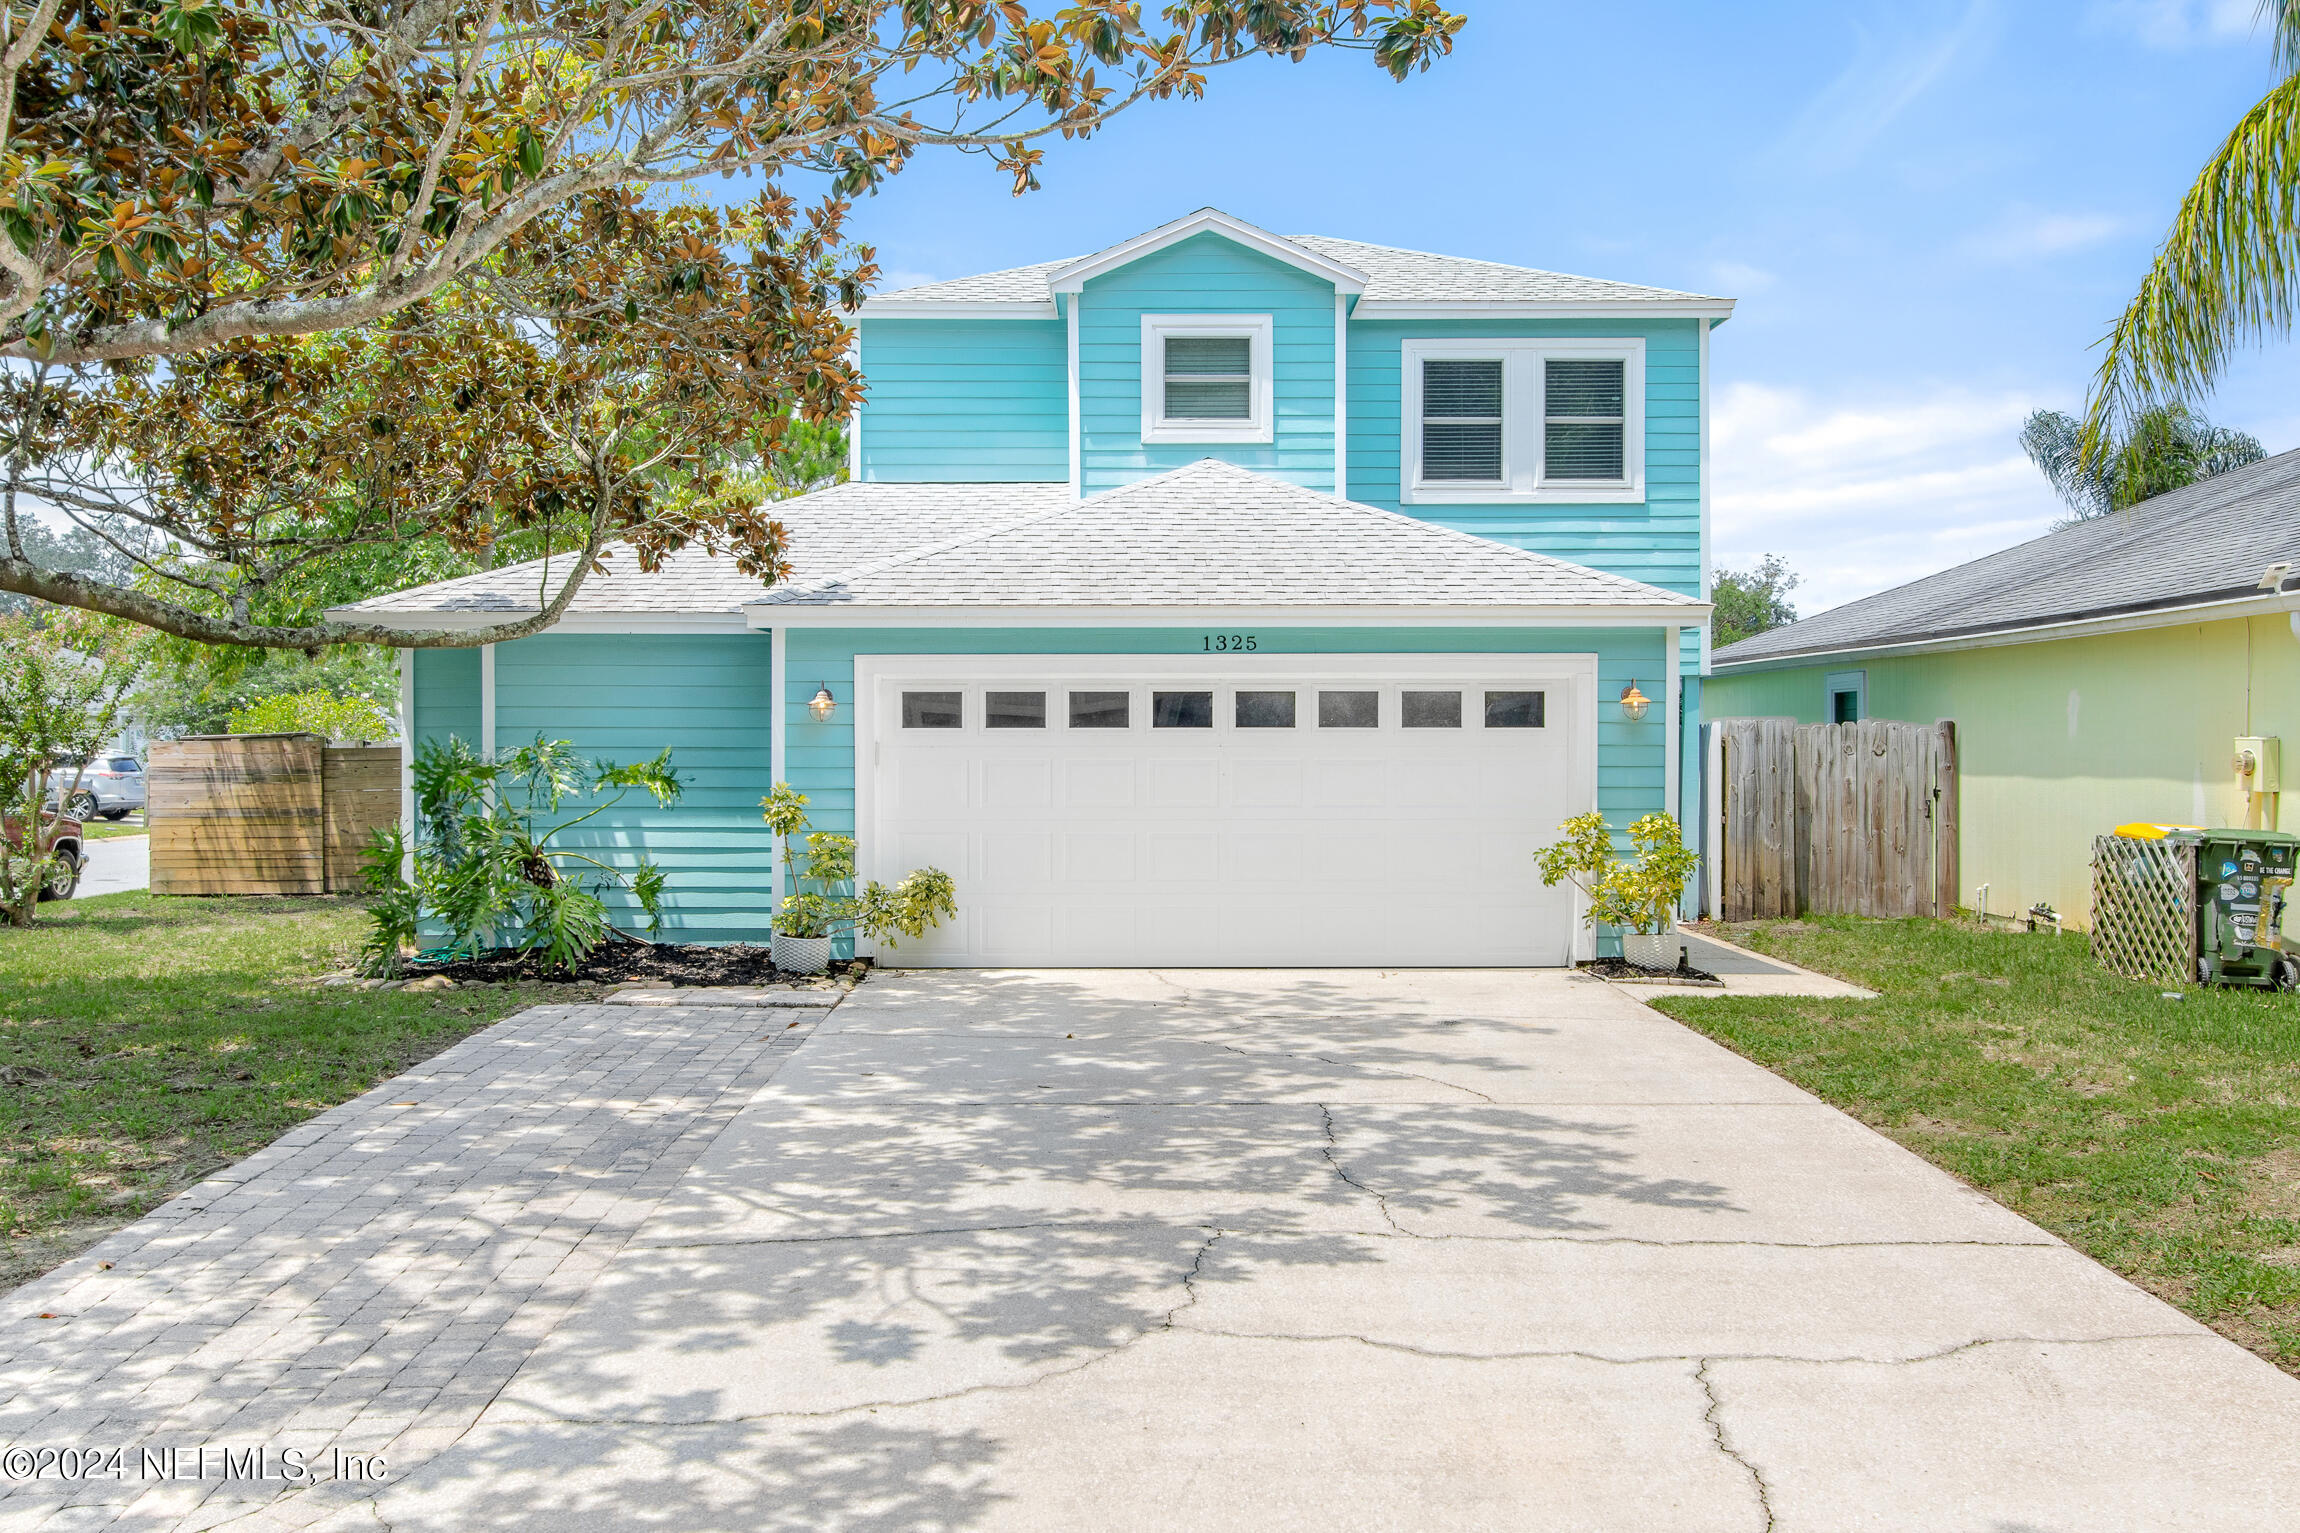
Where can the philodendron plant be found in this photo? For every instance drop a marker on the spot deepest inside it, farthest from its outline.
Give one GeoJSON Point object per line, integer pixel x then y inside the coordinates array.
{"type": "Point", "coordinates": [1637, 895]}
{"type": "Point", "coordinates": [488, 868]}
{"type": "Point", "coordinates": [815, 907]}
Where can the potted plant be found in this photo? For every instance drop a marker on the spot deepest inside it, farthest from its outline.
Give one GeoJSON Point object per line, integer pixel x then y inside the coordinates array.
{"type": "Point", "coordinates": [815, 911]}
{"type": "Point", "coordinates": [1639, 896]}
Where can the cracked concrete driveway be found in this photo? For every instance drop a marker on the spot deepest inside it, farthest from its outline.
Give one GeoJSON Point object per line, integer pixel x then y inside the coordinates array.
{"type": "Point", "coordinates": [1316, 1250]}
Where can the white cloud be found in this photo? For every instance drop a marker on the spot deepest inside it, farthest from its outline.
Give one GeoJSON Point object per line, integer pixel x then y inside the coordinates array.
{"type": "Point", "coordinates": [1886, 75]}
{"type": "Point", "coordinates": [1861, 496]}
{"type": "Point", "coordinates": [2030, 234]}
{"type": "Point", "coordinates": [2178, 23]}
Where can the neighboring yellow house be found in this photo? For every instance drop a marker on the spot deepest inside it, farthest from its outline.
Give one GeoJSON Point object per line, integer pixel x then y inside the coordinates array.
{"type": "Point", "coordinates": [2101, 674]}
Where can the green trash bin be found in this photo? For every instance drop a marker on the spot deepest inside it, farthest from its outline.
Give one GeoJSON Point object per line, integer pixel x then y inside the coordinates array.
{"type": "Point", "coordinates": [2241, 880]}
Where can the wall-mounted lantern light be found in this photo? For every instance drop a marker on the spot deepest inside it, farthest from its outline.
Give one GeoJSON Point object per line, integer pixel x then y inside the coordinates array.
{"type": "Point", "coordinates": [1633, 702]}
{"type": "Point", "coordinates": [822, 705]}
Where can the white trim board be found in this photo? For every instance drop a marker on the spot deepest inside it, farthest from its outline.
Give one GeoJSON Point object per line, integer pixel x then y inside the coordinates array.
{"type": "Point", "coordinates": [960, 308]}
{"type": "Point", "coordinates": [1719, 309]}
{"type": "Point", "coordinates": [1342, 395]}
{"type": "Point", "coordinates": [766, 615]}
{"type": "Point", "coordinates": [1276, 618]}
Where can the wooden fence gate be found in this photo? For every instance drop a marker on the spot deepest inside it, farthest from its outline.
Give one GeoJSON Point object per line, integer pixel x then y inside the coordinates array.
{"type": "Point", "coordinates": [1838, 819]}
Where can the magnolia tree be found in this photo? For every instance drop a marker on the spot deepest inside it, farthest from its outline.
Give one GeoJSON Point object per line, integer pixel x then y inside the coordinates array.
{"type": "Point", "coordinates": [298, 289]}
{"type": "Point", "coordinates": [62, 688]}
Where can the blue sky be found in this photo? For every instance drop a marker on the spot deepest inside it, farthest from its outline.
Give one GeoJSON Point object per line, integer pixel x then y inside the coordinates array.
{"type": "Point", "coordinates": [1930, 210]}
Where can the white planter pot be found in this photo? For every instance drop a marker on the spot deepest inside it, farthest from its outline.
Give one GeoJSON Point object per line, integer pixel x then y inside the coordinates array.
{"type": "Point", "coordinates": [802, 955]}
{"type": "Point", "coordinates": [1659, 950]}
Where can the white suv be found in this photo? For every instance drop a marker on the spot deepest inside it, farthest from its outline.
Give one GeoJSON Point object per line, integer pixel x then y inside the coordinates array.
{"type": "Point", "coordinates": [112, 786]}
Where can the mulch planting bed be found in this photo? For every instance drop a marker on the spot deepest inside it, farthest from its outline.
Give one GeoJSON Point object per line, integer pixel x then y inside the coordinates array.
{"type": "Point", "coordinates": [1615, 968]}
{"type": "Point", "coordinates": [621, 963]}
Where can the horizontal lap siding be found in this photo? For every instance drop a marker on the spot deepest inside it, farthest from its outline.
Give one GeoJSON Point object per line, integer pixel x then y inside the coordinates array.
{"type": "Point", "coordinates": [1206, 275]}
{"type": "Point", "coordinates": [1658, 542]}
{"type": "Point", "coordinates": [447, 695]}
{"type": "Point", "coordinates": [627, 696]}
{"type": "Point", "coordinates": [819, 757]}
{"type": "Point", "coordinates": [976, 401]}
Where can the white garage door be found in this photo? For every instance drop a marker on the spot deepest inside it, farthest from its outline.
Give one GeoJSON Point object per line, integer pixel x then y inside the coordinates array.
{"type": "Point", "coordinates": [1229, 809]}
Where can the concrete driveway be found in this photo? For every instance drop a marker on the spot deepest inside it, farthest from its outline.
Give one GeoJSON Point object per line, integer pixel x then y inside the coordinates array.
{"type": "Point", "coordinates": [1364, 1251]}
{"type": "Point", "coordinates": [117, 864]}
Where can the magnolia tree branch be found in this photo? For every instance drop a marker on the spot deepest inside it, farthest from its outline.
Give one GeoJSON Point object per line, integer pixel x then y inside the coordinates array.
{"type": "Point", "coordinates": [717, 92]}
{"type": "Point", "coordinates": [66, 589]}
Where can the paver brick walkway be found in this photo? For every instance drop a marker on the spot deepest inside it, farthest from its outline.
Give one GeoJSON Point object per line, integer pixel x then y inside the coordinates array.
{"type": "Point", "coordinates": [370, 1281]}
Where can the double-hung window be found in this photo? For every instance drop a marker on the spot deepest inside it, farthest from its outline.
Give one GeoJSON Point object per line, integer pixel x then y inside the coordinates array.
{"type": "Point", "coordinates": [1523, 419]}
{"type": "Point", "coordinates": [1206, 377]}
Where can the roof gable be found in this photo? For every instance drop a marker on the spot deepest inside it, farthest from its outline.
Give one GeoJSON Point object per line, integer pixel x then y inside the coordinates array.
{"type": "Point", "coordinates": [1072, 276]}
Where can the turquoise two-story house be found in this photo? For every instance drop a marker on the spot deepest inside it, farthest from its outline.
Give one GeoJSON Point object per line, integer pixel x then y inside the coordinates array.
{"type": "Point", "coordinates": [1217, 599]}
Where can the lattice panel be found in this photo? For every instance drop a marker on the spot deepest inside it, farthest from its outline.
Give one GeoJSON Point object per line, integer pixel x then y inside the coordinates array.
{"type": "Point", "coordinates": [2144, 909]}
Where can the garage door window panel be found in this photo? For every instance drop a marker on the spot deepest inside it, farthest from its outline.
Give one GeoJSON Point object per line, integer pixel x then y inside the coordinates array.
{"type": "Point", "coordinates": [1265, 710]}
{"type": "Point", "coordinates": [1181, 710]}
{"type": "Point", "coordinates": [1014, 710]}
{"type": "Point", "coordinates": [1349, 710]}
{"type": "Point", "coordinates": [933, 710]}
{"type": "Point", "coordinates": [1515, 710]}
{"type": "Point", "coordinates": [1429, 710]}
{"type": "Point", "coordinates": [1101, 710]}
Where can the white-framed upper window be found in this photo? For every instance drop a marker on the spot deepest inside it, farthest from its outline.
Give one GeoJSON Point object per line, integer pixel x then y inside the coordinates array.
{"type": "Point", "coordinates": [1206, 377]}
{"type": "Point", "coordinates": [1522, 419]}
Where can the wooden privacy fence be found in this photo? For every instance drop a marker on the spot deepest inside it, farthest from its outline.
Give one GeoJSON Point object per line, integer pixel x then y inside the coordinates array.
{"type": "Point", "coordinates": [1839, 819]}
{"type": "Point", "coordinates": [265, 814]}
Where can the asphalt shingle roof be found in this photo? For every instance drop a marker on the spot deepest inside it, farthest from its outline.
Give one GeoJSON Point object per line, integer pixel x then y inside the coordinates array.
{"type": "Point", "coordinates": [2210, 541]}
{"type": "Point", "coordinates": [1209, 534]}
{"type": "Point", "coordinates": [1392, 276]}
{"type": "Point", "coordinates": [830, 530]}
{"type": "Point", "coordinates": [1212, 534]}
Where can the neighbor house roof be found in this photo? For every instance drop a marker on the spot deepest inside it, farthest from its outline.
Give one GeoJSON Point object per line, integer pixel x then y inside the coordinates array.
{"type": "Point", "coordinates": [1212, 534]}
{"type": "Point", "coordinates": [2209, 543]}
{"type": "Point", "coordinates": [1394, 280]}
{"type": "Point", "coordinates": [1206, 535]}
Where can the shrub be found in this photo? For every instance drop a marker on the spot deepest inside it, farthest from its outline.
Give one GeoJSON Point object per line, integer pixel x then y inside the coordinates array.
{"type": "Point", "coordinates": [315, 713]}
{"type": "Point", "coordinates": [816, 908]}
{"type": "Point", "coordinates": [1640, 895]}
{"type": "Point", "coordinates": [485, 865]}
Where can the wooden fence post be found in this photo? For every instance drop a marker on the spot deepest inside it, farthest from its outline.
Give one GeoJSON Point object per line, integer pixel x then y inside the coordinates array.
{"type": "Point", "coordinates": [1946, 849]}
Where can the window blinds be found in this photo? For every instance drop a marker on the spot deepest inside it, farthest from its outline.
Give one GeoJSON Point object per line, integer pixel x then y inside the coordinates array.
{"type": "Point", "coordinates": [1461, 420]}
{"type": "Point", "coordinates": [1209, 377]}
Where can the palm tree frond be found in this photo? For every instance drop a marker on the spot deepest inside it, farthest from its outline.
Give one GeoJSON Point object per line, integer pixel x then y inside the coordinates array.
{"type": "Point", "coordinates": [2054, 442]}
{"type": "Point", "coordinates": [2283, 18]}
{"type": "Point", "coordinates": [2227, 272]}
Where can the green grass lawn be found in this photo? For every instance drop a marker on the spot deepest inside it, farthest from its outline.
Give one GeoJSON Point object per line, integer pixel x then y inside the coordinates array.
{"type": "Point", "coordinates": [2161, 1136]}
{"type": "Point", "coordinates": [147, 1041]}
{"type": "Point", "coordinates": [107, 830]}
